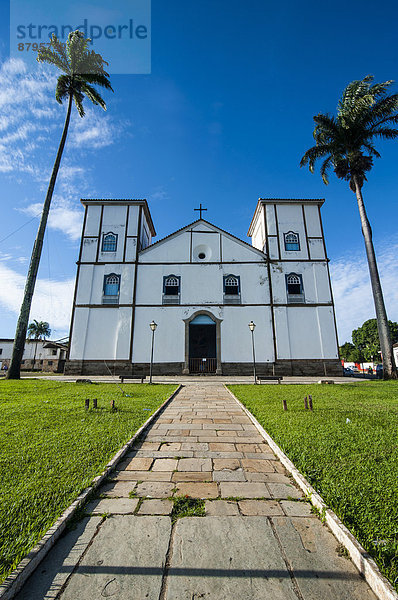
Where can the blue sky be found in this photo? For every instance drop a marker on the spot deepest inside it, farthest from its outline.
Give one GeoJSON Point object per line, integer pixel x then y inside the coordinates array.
{"type": "Point", "coordinates": [223, 119]}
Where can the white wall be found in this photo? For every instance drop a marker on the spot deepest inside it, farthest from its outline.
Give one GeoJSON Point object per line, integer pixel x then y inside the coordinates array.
{"type": "Point", "coordinates": [203, 283]}
{"type": "Point", "coordinates": [101, 334]}
{"type": "Point", "coordinates": [315, 281]}
{"type": "Point", "coordinates": [29, 351]}
{"type": "Point", "coordinates": [91, 282]}
{"type": "Point", "coordinates": [305, 332]}
{"type": "Point", "coordinates": [236, 345]}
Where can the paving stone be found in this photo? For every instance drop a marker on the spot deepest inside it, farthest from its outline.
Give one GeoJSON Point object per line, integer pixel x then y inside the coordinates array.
{"type": "Point", "coordinates": [139, 464]}
{"type": "Point", "coordinates": [261, 455]}
{"type": "Point", "coordinates": [194, 446]}
{"type": "Point", "coordinates": [247, 447]}
{"type": "Point", "coordinates": [143, 475]}
{"type": "Point", "coordinates": [257, 465]}
{"type": "Point", "coordinates": [194, 464]}
{"type": "Point", "coordinates": [170, 446]}
{"type": "Point", "coordinates": [226, 463]}
{"type": "Point", "coordinates": [284, 490]}
{"type": "Point", "coordinates": [164, 464]}
{"type": "Point", "coordinates": [213, 454]}
{"type": "Point", "coordinates": [155, 489]}
{"type": "Point", "coordinates": [221, 447]}
{"type": "Point", "coordinates": [192, 476]}
{"type": "Point", "coordinates": [120, 506]}
{"type": "Point", "coordinates": [47, 580]}
{"type": "Point", "coordinates": [197, 490]}
{"type": "Point", "coordinates": [147, 446]}
{"type": "Point", "coordinates": [155, 507]}
{"type": "Point", "coordinates": [124, 561]}
{"type": "Point", "coordinates": [218, 557]}
{"type": "Point", "coordinates": [118, 489]}
{"type": "Point", "coordinates": [271, 477]}
{"type": "Point", "coordinates": [229, 475]}
{"type": "Point", "coordinates": [252, 434]}
{"type": "Point", "coordinates": [296, 509]}
{"type": "Point", "coordinates": [221, 508]}
{"type": "Point", "coordinates": [265, 508]}
{"type": "Point", "coordinates": [244, 490]}
{"type": "Point", "coordinates": [324, 574]}
{"type": "Point", "coordinates": [224, 426]}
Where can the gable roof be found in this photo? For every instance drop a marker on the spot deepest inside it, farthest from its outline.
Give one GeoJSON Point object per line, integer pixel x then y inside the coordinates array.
{"type": "Point", "coordinates": [214, 227]}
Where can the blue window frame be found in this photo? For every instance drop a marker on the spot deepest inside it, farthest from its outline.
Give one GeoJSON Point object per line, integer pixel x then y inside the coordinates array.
{"type": "Point", "coordinates": [231, 285]}
{"type": "Point", "coordinates": [109, 242]}
{"type": "Point", "coordinates": [292, 241]}
{"type": "Point", "coordinates": [111, 288]}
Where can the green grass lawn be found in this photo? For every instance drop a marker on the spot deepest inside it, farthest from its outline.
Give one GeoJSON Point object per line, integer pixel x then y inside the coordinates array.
{"type": "Point", "coordinates": [52, 448]}
{"type": "Point", "coordinates": [347, 449]}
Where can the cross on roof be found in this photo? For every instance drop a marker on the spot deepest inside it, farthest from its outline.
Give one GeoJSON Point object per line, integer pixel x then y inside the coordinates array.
{"type": "Point", "coordinates": [200, 209]}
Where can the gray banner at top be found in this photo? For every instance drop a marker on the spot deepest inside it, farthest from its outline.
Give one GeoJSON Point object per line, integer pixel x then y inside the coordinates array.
{"type": "Point", "coordinates": [120, 30]}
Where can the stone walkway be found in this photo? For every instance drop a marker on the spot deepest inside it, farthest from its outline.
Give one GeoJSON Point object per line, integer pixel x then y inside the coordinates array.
{"type": "Point", "coordinates": [258, 540]}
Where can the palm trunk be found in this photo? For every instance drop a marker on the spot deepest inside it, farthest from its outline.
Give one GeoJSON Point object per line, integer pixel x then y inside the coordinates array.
{"type": "Point", "coordinates": [389, 369]}
{"type": "Point", "coordinates": [34, 357]}
{"type": "Point", "coordinates": [22, 325]}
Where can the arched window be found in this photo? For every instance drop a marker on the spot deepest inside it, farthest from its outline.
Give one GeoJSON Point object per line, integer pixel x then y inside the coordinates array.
{"type": "Point", "coordinates": [231, 285]}
{"type": "Point", "coordinates": [294, 287]}
{"type": "Point", "coordinates": [111, 288]}
{"type": "Point", "coordinates": [292, 241]}
{"type": "Point", "coordinates": [109, 242]}
{"type": "Point", "coordinates": [231, 289]}
{"type": "Point", "coordinates": [171, 289]}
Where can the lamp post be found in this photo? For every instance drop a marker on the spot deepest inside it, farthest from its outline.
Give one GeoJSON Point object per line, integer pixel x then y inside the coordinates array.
{"type": "Point", "coordinates": [153, 326]}
{"type": "Point", "coordinates": [252, 327]}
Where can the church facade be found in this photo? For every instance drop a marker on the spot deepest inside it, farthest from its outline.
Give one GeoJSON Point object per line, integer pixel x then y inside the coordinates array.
{"type": "Point", "coordinates": [202, 286]}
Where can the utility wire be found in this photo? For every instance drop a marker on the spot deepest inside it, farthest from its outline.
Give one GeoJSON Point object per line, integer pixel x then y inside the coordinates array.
{"type": "Point", "coordinates": [12, 233]}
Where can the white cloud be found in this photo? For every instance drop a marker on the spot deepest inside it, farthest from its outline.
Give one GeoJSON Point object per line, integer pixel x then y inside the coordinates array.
{"type": "Point", "coordinates": [352, 290]}
{"type": "Point", "coordinates": [95, 130]}
{"type": "Point", "coordinates": [159, 193]}
{"type": "Point", "coordinates": [30, 116]}
{"type": "Point", "coordinates": [63, 217]}
{"type": "Point", "coordinates": [52, 300]}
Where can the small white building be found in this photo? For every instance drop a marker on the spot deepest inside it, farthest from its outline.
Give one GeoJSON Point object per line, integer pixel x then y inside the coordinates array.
{"type": "Point", "coordinates": [38, 355]}
{"type": "Point", "coordinates": [202, 286]}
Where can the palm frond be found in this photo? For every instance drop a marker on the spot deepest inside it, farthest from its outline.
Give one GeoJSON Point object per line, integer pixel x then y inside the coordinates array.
{"type": "Point", "coordinates": [49, 56]}
{"type": "Point", "coordinates": [93, 95]}
{"type": "Point", "coordinates": [386, 133]}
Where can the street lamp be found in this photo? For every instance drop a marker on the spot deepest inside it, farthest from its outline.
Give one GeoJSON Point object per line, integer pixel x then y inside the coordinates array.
{"type": "Point", "coordinates": [252, 327]}
{"type": "Point", "coordinates": [153, 326]}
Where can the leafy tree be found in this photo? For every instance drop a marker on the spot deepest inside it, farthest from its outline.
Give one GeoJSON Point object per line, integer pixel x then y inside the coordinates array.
{"type": "Point", "coordinates": [366, 338]}
{"type": "Point", "coordinates": [346, 144]}
{"type": "Point", "coordinates": [82, 68]}
{"type": "Point", "coordinates": [346, 351]}
{"type": "Point", "coordinates": [38, 330]}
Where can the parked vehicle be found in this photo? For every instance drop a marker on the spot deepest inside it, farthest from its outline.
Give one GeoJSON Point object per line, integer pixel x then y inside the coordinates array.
{"type": "Point", "coordinates": [379, 371]}
{"type": "Point", "coordinates": [348, 372]}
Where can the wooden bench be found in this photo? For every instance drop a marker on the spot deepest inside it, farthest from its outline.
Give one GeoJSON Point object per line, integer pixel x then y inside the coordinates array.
{"type": "Point", "coordinates": [277, 378]}
{"type": "Point", "coordinates": [123, 377]}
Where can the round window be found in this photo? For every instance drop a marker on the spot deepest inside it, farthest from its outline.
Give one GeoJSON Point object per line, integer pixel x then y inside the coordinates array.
{"type": "Point", "coordinates": [201, 253]}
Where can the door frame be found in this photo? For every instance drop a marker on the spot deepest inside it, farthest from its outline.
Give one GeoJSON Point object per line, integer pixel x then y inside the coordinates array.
{"type": "Point", "coordinates": [217, 322]}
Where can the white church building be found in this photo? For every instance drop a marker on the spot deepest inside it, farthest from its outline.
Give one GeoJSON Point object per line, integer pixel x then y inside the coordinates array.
{"type": "Point", "coordinates": [202, 286]}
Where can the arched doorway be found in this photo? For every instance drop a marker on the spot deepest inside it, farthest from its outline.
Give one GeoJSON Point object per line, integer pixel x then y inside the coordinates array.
{"type": "Point", "coordinates": [202, 344]}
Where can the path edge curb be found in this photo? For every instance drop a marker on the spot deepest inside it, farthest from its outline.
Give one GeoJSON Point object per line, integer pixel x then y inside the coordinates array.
{"type": "Point", "coordinates": [362, 560]}
{"type": "Point", "coordinates": [18, 577]}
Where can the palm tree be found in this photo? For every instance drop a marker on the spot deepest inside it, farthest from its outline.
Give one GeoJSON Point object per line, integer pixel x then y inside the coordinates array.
{"type": "Point", "coordinates": [81, 68]}
{"type": "Point", "coordinates": [346, 144]}
{"type": "Point", "coordinates": [38, 330]}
